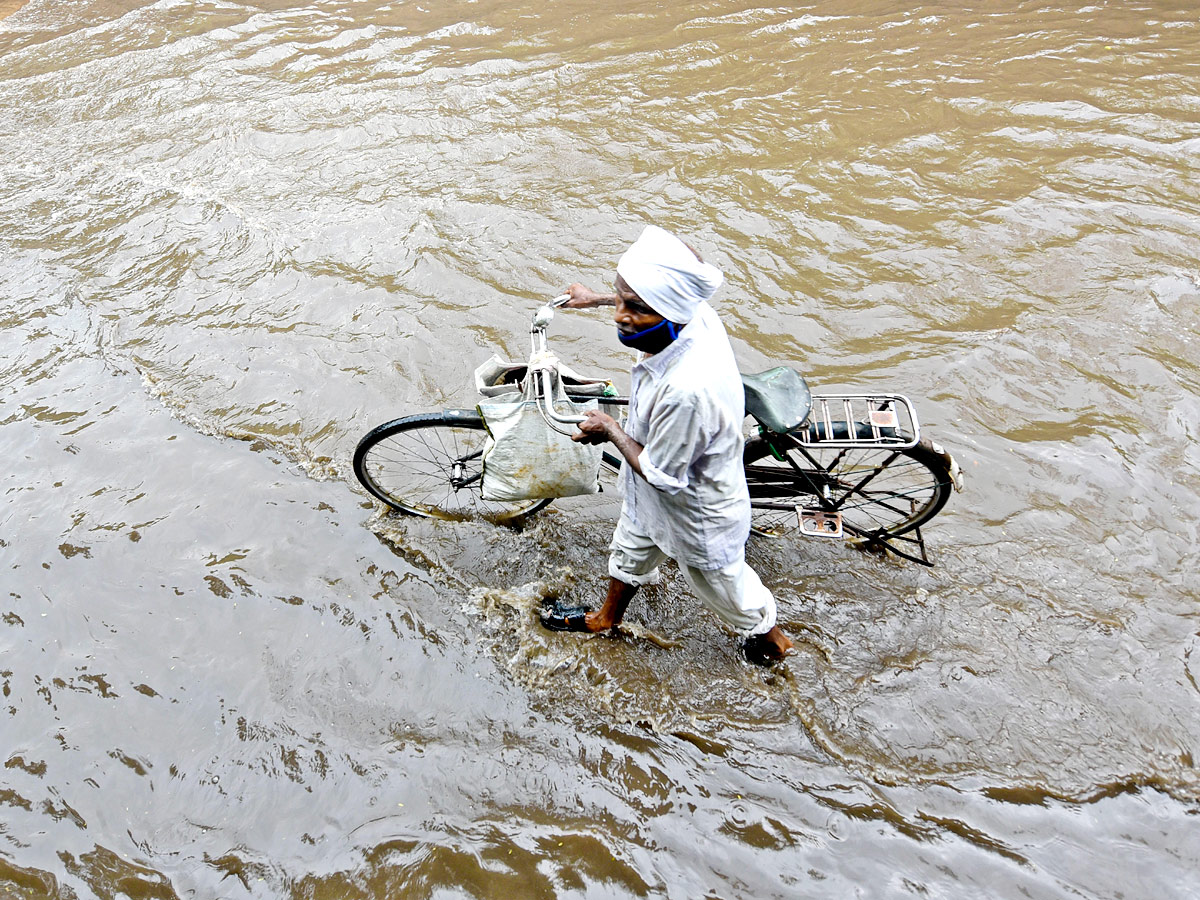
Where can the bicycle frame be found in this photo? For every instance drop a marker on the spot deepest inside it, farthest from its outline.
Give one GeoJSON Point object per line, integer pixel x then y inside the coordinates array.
{"type": "Point", "coordinates": [833, 465]}
{"type": "Point", "coordinates": [826, 470]}
{"type": "Point", "coordinates": [818, 480]}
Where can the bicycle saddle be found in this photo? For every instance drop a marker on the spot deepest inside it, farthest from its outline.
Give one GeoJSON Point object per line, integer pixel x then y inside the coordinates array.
{"type": "Point", "coordinates": [779, 398]}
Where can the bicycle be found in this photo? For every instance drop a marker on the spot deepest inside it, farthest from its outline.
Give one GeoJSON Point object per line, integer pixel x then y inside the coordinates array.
{"type": "Point", "coordinates": [844, 466]}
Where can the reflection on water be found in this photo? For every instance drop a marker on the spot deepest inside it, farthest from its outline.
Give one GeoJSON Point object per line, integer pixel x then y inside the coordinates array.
{"type": "Point", "coordinates": [234, 236]}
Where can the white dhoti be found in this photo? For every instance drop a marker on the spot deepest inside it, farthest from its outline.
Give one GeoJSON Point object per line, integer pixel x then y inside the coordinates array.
{"type": "Point", "coordinates": [734, 592]}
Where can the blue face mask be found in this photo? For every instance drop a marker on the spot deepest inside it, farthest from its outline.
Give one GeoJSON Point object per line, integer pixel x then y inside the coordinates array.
{"type": "Point", "coordinates": [653, 339]}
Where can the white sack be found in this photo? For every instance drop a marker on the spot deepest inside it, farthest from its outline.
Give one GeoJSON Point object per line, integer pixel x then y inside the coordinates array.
{"type": "Point", "coordinates": [525, 458]}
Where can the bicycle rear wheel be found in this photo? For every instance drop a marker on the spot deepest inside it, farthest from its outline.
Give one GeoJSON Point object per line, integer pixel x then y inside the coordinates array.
{"type": "Point", "coordinates": [879, 492]}
{"type": "Point", "coordinates": [431, 465]}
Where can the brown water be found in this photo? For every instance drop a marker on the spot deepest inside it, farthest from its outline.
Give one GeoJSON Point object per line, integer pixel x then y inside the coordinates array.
{"type": "Point", "coordinates": [233, 236]}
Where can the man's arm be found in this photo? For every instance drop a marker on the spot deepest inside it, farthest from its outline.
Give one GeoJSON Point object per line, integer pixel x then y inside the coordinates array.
{"type": "Point", "coordinates": [583, 297]}
{"type": "Point", "coordinates": [680, 428]}
{"type": "Point", "coordinates": [599, 428]}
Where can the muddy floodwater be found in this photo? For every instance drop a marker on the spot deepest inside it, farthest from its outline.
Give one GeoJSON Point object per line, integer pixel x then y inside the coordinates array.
{"type": "Point", "coordinates": [236, 235]}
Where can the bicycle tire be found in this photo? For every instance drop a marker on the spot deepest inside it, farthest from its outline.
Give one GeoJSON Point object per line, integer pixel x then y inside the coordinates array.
{"type": "Point", "coordinates": [880, 492]}
{"type": "Point", "coordinates": [409, 464]}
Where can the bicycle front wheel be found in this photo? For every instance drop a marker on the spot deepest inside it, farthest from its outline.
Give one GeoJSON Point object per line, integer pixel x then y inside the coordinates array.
{"type": "Point", "coordinates": [879, 492]}
{"type": "Point", "coordinates": [431, 465]}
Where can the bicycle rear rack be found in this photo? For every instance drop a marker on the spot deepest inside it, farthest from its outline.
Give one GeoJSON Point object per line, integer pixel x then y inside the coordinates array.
{"type": "Point", "coordinates": [879, 420]}
{"type": "Point", "coordinates": [860, 421]}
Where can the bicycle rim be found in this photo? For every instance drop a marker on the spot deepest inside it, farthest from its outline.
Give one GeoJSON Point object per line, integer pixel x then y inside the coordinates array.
{"type": "Point", "coordinates": [431, 465]}
{"type": "Point", "coordinates": [878, 492]}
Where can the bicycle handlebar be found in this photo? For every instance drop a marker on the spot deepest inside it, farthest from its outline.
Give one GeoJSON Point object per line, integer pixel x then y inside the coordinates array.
{"type": "Point", "coordinates": [547, 406]}
{"type": "Point", "coordinates": [545, 313]}
{"type": "Point", "coordinates": [541, 321]}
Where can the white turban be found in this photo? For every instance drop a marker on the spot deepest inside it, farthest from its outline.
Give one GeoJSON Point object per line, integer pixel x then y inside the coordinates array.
{"type": "Point", "coordinates": [661, 270]}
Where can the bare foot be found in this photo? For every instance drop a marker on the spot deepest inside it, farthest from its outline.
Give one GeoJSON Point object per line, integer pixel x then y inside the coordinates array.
{"type": "Point", "coordinates": [597, 622]}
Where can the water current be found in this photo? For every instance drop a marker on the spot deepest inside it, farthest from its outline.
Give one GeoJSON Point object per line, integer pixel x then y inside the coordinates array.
{"type": "Point", "coordinates": [236, 235]}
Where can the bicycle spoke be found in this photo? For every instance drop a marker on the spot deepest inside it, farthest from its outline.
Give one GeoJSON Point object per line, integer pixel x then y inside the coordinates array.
{"type": "Point", "coordinates": [432, 465]}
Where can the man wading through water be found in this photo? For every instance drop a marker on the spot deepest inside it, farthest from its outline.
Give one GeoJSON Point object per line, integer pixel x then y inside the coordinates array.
{"type": "Point", "coordinates": [684, 486]}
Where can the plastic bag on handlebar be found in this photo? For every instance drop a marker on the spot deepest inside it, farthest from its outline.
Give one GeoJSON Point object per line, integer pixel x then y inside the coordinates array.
{"type": "Point", "coordinates": [525, 458]}
{"type": "Point", "coordinates": [498, 378]}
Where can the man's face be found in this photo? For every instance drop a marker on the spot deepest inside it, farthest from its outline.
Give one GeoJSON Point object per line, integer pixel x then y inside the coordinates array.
{"type": "Point", "coordinates": [632, 314]}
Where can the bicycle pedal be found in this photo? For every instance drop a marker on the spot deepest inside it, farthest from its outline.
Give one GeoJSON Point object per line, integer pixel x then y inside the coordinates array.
{"type": "Point", "coordinates": [820, 522]}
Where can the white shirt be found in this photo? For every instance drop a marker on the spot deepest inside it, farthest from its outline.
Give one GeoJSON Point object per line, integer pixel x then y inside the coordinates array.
{"type": "Point", "coordinates": [686, 406]}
